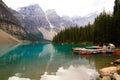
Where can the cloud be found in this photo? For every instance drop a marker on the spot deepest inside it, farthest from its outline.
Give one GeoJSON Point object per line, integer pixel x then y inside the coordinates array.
{"type": "Point", "coordinates": [66, 7]}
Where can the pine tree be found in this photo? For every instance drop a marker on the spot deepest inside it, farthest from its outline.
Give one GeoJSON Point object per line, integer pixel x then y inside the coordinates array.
{"type": "Point", "coordinates": [116, 23]}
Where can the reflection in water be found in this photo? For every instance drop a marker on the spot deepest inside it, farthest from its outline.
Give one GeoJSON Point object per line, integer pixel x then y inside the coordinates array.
{"type": "Point", "coordinates": [42, 61]}
{"type": "Point", "coordinates": [20, 52]}
{"type": "Point", "coordinates": [72, 73]}
{"type": "Point", "coordinates": [18, 78]}
{"type": "Point", "coordinates": [19, 60]}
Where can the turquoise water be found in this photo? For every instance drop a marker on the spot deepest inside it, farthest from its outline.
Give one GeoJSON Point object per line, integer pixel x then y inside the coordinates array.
{"type": "Point", "coordinates": [45, 61]}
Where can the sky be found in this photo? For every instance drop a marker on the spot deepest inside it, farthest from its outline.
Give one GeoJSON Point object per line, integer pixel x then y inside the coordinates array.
{"type": "Point", "coordinates": [66, 7]}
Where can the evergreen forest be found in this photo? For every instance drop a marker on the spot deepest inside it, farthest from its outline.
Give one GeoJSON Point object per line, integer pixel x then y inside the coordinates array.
{"type": "Point", "coordinates": [106, 28]}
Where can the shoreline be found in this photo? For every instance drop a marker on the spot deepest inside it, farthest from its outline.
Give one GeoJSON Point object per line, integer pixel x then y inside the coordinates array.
{"type": "Point", "coordinates": [110, 72]}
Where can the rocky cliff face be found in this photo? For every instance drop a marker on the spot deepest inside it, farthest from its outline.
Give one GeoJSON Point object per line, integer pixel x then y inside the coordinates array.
{"type": "Point", "coordinates": [34, 14]}
{"type": "Point", "coordinates": [56, 20]}
{"type": "Point", "coordinates": [33, 18]}
{"type": "Point", "coordinates": [10, 24]}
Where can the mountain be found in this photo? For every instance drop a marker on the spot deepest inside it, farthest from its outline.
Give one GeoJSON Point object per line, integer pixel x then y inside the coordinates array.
{"type": "Point", "coordinates": [33, 18]}
{"type": "Point", "coordinates": [56, 20]}
{"type": "Point", "coordinates": [35, 14]}
{"type": "Point", "coordinates": [82, 21]}
{"type": "Point", "coordinates": [39, 23]}
{"type": "Point", "coordinates": [9, 24]}
{"type": "Point", "coordinates": [53, 17]}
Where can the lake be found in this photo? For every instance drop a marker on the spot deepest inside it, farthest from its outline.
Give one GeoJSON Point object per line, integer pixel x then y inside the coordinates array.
{"type": "Point", "coordinates": [46, 61]}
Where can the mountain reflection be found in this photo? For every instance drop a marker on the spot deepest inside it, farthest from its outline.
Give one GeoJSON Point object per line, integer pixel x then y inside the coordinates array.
{"type": "Point", "coordinates": [20, 52]}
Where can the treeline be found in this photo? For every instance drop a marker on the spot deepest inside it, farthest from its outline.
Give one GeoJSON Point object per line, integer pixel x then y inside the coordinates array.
{"type": "Point", "coordinates": [106, 28]}
{"type": "Point", "coordinates": [75, 35]}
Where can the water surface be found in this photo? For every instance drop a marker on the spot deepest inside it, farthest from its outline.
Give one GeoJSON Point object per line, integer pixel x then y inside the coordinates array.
{"type": "Point", "coordinates": [45, 61]}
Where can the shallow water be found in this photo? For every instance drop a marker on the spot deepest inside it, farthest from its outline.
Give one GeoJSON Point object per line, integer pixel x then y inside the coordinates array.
{"type": "Point", "coordinates": [45, 61]}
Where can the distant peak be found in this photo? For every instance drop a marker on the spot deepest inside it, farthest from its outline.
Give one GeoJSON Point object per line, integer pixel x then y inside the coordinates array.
{"type": "Point", "coordinates": [33, 9]}
{"type": "Point", "coordinates": [51, 11]}
{"type": "Point", "coordinates": [34, 5]}
{"type": "Point", "coordinates": [92, 13]}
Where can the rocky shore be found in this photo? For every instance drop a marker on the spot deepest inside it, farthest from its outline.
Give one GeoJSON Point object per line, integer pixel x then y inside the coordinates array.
{"type": "Point", "coordinates": [111, 72]}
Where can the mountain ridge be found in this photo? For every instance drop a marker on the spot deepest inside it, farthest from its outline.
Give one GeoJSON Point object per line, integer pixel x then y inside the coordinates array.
{"type": "Point", "coordinates": [10, 24]}
{"type": "Point", "coordinates": [33, 17]}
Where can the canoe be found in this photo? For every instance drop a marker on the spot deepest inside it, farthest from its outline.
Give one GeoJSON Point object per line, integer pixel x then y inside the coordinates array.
{"type": "Point", "coordinates": [84, 51]}
{"type": "Point", "coordinates": [93, 47]}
